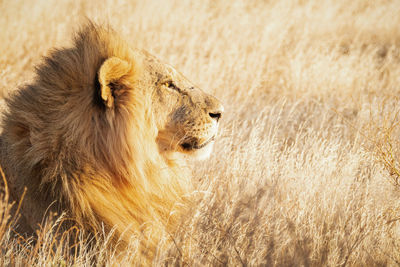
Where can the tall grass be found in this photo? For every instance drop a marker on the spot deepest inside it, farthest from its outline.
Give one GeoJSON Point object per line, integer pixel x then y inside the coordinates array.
{"type": "Point", "coordinates": [306, 168]}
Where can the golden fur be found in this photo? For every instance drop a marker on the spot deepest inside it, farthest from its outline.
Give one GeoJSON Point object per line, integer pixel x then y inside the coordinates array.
{"type": "Point", "coordinates": [97, 135]}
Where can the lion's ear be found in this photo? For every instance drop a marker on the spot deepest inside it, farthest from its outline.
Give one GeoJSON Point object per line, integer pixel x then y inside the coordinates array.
{"type": "Point", "coordinates": [110, 74]}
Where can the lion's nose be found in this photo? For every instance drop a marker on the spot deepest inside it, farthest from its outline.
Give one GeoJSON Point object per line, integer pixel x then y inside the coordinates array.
{"type": "Point", "coordinates": [214, 107]}
{"type": "Point", "coordinates": [216, 116]}
{"type": "Point", "coordinates": [217, 111]}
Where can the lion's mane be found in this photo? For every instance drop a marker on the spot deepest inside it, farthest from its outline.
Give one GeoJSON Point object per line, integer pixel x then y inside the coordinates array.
{"type": "Point", "coordinates": [101, 167]}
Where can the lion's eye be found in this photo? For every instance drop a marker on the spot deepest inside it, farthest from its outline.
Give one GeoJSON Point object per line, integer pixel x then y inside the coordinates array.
{"type": "Point", "coordinates": [170, 85]}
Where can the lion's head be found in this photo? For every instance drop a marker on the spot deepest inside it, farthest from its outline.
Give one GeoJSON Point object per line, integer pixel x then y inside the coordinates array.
{"type": "Point", "coordinates": [95, 132]}
{"type": "Point", "coordinates": [186, 118]}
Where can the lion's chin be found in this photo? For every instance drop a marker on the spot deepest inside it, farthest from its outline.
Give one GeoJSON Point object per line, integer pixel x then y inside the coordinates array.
{"type": "Point", "coordinates": [202, 153]}
{"type": "Point", "coordinates": [196, 154]}
{"type": "Point", "coordinates": [190, 149]}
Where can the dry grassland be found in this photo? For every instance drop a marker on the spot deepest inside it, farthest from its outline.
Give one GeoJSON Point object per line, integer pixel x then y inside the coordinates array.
{"type": "Point", "coordinates": [306, 169]}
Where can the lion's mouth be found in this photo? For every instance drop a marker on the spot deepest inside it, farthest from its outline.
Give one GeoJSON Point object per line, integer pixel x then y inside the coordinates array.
{"type": "Point", "coordinates": [194, 144]}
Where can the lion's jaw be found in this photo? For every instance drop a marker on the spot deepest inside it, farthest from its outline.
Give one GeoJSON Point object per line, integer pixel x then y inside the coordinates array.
{"type": "Point", "coordinates": [172, 150]}
{"type": "Point", "coordinates": [203, 153]}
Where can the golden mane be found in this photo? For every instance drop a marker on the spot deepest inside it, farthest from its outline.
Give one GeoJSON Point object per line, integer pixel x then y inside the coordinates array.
{"type": "Point", "coordinates": [102, 167]}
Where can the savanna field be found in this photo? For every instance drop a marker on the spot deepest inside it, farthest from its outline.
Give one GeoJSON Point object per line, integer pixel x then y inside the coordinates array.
{"type": "Point", "coordinates": [306, 168]}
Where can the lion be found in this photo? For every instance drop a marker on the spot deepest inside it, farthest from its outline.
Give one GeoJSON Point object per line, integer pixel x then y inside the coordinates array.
{"type": "Point", "coordinates": [102, 134]}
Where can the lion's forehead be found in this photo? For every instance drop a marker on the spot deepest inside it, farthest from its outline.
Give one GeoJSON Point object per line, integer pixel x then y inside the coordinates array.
{"type": "Point", "coordinates": [170, 70]}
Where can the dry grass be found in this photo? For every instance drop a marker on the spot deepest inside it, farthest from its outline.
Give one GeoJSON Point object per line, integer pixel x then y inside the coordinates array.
{"type": "Point", "coordinates": [306, 169]}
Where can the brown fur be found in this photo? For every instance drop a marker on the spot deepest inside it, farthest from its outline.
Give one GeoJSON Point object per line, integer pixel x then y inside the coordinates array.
{"type": "Point", "coordinates": [83, 137]}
